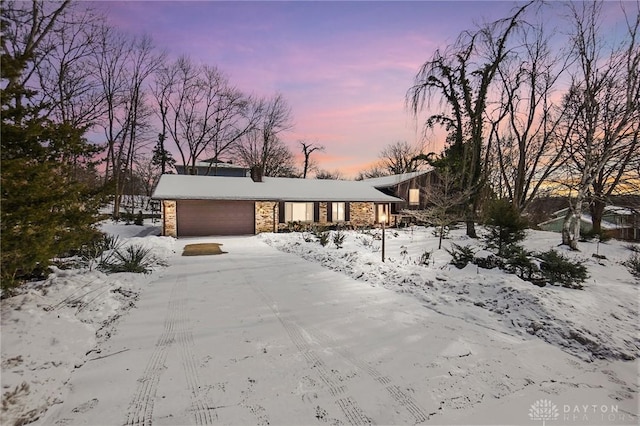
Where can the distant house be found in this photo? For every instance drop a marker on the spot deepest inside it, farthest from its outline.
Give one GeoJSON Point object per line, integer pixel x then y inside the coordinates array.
{"type": "Point", "coordinates": [407, 186]}
{"type": "Point", "coordinates": [213, 168]}
{"type": "Point", "coordinates": [223, 205]}
{"type": "Point", "coordinates": [618, 222]}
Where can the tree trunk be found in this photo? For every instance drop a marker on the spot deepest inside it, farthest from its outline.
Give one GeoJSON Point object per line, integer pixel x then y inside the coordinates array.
{"type": "Point", "coordinates": [571, 224]}
{"type": "Point", "coordinates": [597, 211]}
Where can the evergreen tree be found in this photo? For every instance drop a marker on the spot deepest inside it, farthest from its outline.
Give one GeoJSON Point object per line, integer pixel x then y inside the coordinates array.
{"type": "Point", "coordinates": [46, 211]}
{"type": "Point", "coordinates": [505, 225]}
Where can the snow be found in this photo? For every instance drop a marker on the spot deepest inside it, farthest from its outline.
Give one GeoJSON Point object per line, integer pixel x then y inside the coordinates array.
{"type": "Point", "coordinates": [178, 187]}
{"type": "Point", "coordinates": [281, 330]}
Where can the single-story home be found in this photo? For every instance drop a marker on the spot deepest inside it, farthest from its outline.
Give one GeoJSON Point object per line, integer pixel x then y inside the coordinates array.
{"type": "Point", "coordinates": [618, 222]}
{"type": "Point", "coordinates": [219, 205]}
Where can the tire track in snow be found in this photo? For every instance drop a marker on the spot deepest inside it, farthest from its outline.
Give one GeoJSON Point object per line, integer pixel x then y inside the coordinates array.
{"type": "Point", "coordinates": [407, 401]}
{"type": "Point", "coordinates": [140, 410]}
{"type": "Point", "coordinates": [176, 328]}
{"type": "Point", "coordinates": [349, 407]}
{"type": "Point", "coordinates": [202, 410]}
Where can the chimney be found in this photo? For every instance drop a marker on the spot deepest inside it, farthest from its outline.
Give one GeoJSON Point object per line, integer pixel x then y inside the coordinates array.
{"type": "Point", "coordinates": [256, 173]}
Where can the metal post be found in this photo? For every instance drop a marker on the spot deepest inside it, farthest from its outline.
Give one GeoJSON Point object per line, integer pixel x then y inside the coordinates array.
{"type": "Point", "coordinates": [383, 218]}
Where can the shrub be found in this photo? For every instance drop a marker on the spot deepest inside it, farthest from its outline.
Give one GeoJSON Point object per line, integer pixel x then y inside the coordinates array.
{"type": "Point", "coordinates": [323, 237]}
{"type": "Point", "coordinates": [338, 238]}
{"type": "Point", "coordinates": [488, 262]}
{"type": "Point", "coordinates": [424, 258]}
{"type": "Point", "coordinates": [441, 231]}
{"type": "Point", "coordinates": [505, 225]}
{"type": "Point", "coordinates": [133, 258]}
{"type": "Point", "coordinates": [556, 268]}
{"type": "Point", "coordinates": [519, 262]}
{"type": "Point", "coordinates": [633, 265]}
{"type": "Point", "coordinates": [461, 255]}
{"type": "Point", "coordinates": [139, 220]}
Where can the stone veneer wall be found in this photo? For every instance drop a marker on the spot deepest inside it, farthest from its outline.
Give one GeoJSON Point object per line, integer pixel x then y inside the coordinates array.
{"type": "Point", "coordinates": [362, 214]}
{"type": "Point", "coordinates": [169, 222]}
{"type": "Point", "coordinates": [266, 216]}
{"type": "Point", "coordinates": [323, 213]}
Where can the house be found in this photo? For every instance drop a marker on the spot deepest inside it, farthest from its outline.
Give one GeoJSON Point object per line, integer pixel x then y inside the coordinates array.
{"type": "Point", "coordinates": [213, 168]}
{"type": "Point", "coordinates": [410, 187]}
{"type": "Point", "coordinates": [222, 205]}
{"type": "Point", "coordinates": [618, 222]}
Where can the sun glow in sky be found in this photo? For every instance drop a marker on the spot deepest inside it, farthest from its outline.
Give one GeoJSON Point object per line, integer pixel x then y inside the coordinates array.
{"type": "Point", "coordinates": [343, 67]}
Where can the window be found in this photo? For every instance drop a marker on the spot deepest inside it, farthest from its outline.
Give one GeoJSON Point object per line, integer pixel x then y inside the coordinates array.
{"type": "Point", "coordinates": [337, 212]}
{"type": "Point", "coordinates": [414, 197]}
{"type": "Point", "coordinates": [382, 210]}
{"type": "Point", "coordinates": [298, 212]}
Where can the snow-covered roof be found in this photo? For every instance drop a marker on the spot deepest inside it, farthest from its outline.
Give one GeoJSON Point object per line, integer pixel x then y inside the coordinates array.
{"type": "Point", "coordinates": [586, 218]}
{"type": "Point", "coordinates": [622, 211]}
{"type": "Point", "coordinates": [387, 181]}
{"type": "Point", "coordinates": [215, 165]}
{"type": "Point", "coordinates": [182, 187]}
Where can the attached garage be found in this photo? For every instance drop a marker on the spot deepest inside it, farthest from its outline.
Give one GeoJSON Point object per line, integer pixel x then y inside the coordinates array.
{"type": "Point", "coordinates": [207, 217]}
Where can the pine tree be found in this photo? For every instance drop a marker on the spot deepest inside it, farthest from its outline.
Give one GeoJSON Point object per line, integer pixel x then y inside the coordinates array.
{"type": "Point", "coordinates": [46, 211]}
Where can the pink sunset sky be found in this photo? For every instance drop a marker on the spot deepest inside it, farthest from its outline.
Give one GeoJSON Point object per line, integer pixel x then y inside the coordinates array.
{"type": "Point", "coordinates": [343, 67]}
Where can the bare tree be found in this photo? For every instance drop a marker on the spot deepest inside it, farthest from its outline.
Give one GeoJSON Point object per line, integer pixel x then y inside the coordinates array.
{"type": "Point", "coordinates": [374, 171]}
{"type": "Point", "coordinates": [147, 173]}
{"type": "Point", "coordinates": [308, 148]}
{"type": "Point", "coordinates": [25, 33]}
{"type": "Point", "coordinates": [204, 113]}
{"type": "Point", "coordinates": [262, 147]}
{"type": "Point", "coordinates": [326, 174]}
{"type": "Point", "coordinates": [124, 64]}
{"type": "Point", "coordinates": [72, 94]}
{"type": "Point", "coordinates": [604, 98]}
{"type": "Point", "coordinates": [272, 158]}
{"type": "Point", "coordinates": [526, 131]}
{"type": "Point", "coordinates": [401, 157]}
{"type": "Point", "coordinates": [460, 78]}
{"type": "Point", "coordinates": [445, 202]}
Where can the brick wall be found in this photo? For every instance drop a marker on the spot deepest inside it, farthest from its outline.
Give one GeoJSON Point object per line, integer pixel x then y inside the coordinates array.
{"type": "Point", "coordinates": [169, 223]}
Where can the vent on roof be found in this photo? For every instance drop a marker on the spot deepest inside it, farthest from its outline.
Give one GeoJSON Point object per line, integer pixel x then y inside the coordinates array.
{"type": "Point", "coordinates": [256, 173]}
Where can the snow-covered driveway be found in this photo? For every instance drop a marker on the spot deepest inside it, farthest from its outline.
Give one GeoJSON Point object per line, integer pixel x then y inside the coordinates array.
{"type": "Point", "coordinates": [257, 336]}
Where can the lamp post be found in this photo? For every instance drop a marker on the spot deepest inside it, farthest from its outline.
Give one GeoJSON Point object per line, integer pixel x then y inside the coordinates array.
{"type": "Point", "coordinates": [383, 219]}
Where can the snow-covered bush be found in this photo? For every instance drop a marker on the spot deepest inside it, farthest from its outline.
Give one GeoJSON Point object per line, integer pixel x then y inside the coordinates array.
{"type": "Point", "coordinates": [461, 256]}
{"type": "Point", "coordinates": [338, 238]}
{"type": "Point", "coordinates": [556, 268]}
{"type": "Point", "coordinates": [633, 265]}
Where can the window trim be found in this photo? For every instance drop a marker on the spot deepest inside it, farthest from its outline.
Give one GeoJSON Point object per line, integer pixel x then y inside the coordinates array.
{"type": "Point", "coordinates": [289, 211]}
{"type": "Point", "coordinates": [335, 211]}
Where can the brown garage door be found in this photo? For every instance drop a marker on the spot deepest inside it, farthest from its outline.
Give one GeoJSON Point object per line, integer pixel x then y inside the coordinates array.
{"type": "Point", "coordinates": [200, 218]}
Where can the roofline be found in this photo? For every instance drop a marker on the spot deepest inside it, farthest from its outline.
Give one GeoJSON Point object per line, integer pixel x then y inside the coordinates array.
{"type": "Point", "coordinates": [292, 199]}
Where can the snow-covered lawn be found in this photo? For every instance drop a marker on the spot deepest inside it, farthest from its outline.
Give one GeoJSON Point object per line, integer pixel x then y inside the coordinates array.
{"type": "Point", "coordinates": [266, 338]}
{"type": "Point", "coordinates": [600, 321]}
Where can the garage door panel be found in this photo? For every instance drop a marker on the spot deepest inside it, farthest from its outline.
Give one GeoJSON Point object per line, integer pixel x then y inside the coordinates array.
{"type": "Point", "coordinates": [201, 218]}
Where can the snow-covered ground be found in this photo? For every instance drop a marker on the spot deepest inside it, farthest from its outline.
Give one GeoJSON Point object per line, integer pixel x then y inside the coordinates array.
{"type": "Point", "coordinates": [600, 321]}
{"type": "Point", "coordinates": [51, 327]}
{"type": "Point", "coordinates": [393, 342]}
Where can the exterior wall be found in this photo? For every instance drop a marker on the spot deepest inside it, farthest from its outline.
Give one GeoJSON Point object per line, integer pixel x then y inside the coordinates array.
{"type": "Point", "coordinates": [266, 216]}
{"type": "Point", "coordinates": [169, 221]}
{"type": "Point", "coordinates": [323, 213]}
{"type": "Point", "coordinates": [362, 214]}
